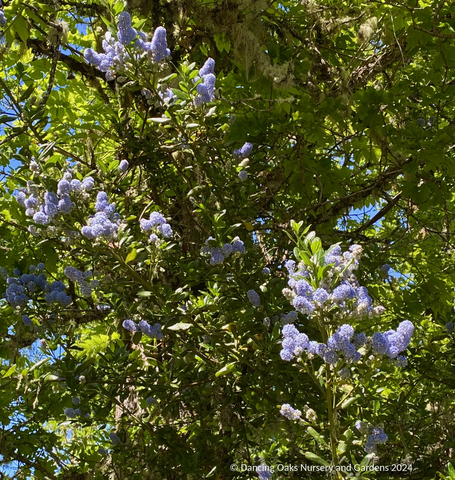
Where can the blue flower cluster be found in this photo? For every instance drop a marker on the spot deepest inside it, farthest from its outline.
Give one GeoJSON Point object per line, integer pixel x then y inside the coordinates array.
{"type": "Point", "coordinates": [111, 60]}
{"type": "Point", "coordinates": [20, 287]}
{"type": "Point", "coordinates": [385, 268]}
{"type": "Point", "coordinates": [103, 307]}
{"type": "Point", "coordinates": [294, 343]}
{"type": "Point", "coordinates": [254, 298]}
{"type": "Point", "coordinates": [158, 46]}
{"type": "Point", "coordinates": [115, 439]}
{"type": "Point", "coordinates": [126, 34]}
{"type": "Point", "coordinates": [290, 412]}
{"type": "Point", "coordinates": [80, 278]}
{"type": "Point", "coordinates": [157, 222]}
{"type": "Point", "coordinates": [243, 175]}
{"type": "Point", "coordinates": [244, 151]}
{"type": "Point", "coordinates": [449, 327]}
{"type": "Point", "coordinates": [347, 299]}
{"type": "Point", "coordinates": [392, 342]}
{"type": "Point", "coordinates": [115, 55]}
{"type": "Point", "coordinates": [217, 254]}
{"type": "Point", "coordinates": [156, 49]}
{"type": "Point", "coordinates": [205, 89]}
{"type": "Point", "coordinates": [44, 211]}
{"type": "Point", "coordinates": [72, 413]}
{"type": "Point", "coordinates": [340, 342]}
{"type": "Point", "coordinates": [289, 317]}
{"type": "Point", "coordinates": [105, 221]}
{"type": "Point", "coordinates": [264, 472]}
{"type": "Point", "coordinates": [123, 166]}
{"type": "Point", "coordinates": [152, 331]}
{"type": "Point", "coordinates": [376, 437]}
{"type": "Point", "coordinates": [167, 97]}
{"type": "Point", "coordinates": [56, 294]}
{"type": "Point", "coordinates": [2, 18]}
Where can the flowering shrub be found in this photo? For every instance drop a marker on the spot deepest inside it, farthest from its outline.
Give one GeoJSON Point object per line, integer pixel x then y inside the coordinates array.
{"type": "Point", "coordinates": [127, 350]}
{"type": "Point", "coordinates": [324, 288]}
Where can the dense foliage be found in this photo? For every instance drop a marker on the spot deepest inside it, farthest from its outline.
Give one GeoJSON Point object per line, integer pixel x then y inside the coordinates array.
{"type": "Point", "coordinates": [227, 239]}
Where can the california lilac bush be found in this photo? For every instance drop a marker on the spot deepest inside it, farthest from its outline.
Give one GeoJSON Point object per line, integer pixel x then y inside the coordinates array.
{"type": "Point", "coordinates": [324, 288]}
{"type": "Point", "coordinates": [131, 352]}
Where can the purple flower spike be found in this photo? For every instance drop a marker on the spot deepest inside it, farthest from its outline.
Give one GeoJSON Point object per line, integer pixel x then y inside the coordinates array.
{"type": "Point", "coordinates": [159, 45]}
{"type": "Point", "coordinates": [126, 34]}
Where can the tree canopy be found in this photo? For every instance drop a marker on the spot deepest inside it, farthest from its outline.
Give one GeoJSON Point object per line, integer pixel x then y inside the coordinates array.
{"type": "Point", "coordinates": [163, 164]}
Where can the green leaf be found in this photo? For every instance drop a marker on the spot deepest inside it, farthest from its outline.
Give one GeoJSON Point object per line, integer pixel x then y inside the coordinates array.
{"type": "Point", "coordinates": [38, 364]}
{"type": "Point", "coordinates": [108, 24]}
{"type": "Point", "coordinates": [347, 403]}
{"type": "Point", "coordinates": [83, 366]}
{"type": "Point", "coordinates": [316, 458]}
{"type": "Point", "coordinates": [133, 355]}
{"type": "Point", "coordinates": [341, 447]}
{"type": "Point", "coordinates": [451, 471]}
{"type": "Point", "coordinates": [365, 461]}
{"type": "Point", "coordinates": [168, 79]}
{"type": "Point", "coordinates": [310, 237]}
{"type": "Point", "coordinates": [159, 119]}
{"type": "Point", "coordinates": [315, 245]}
{"type": "Point", "coordinates": [305, 258]}
{"type": "Point", "coordinates": [6, 119]}
{"type": "Point", "coordinates": [137, 338]}
{"type": "Point", "coordinates": [297, 254]}
{"type": "Point", "coordinates": [180, 326]}
{"type": "Point", "coordinates": [118, 7]}
{"type": "Point", "coordinates": [296, 226]}
{"type": "Point", "coordinates": [10, 371]}
{"type": "Point", "coordinates": [131, 256]}
{"type": "Point", "coordinates": [317, 436]}
{"type": "Point", "coordinates": [21, 27]}
{"type": "Point", "coordinates": [222, 42]}
{"type": "Point", "coordinates": [27, 92]}
{"type": "Point", "coordinates": [226, 369]}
